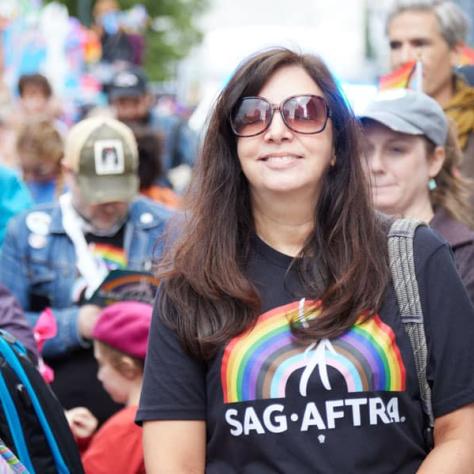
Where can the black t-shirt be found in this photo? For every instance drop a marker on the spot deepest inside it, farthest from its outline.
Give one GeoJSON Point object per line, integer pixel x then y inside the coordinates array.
{"type": "Point", "coordinates": [349, 404]}
{"type": "Point", "coordinates": [76, 382]}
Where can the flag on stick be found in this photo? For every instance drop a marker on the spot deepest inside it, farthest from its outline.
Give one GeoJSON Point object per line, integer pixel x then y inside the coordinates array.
{"type": "Point", "coordinates": [398, 79]}
{"type": "Point", "coordinates": [416, 80]}
{"type": "Point", "coordinates": [466, 56]}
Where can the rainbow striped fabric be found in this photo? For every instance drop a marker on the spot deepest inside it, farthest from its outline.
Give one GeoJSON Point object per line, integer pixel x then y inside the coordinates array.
{"type": "Point", "coordinates": [9, 463]}
{"type": "Point", "coordinates": [466, 56]}
{"type": "Point", "coordinates": [113, 257]}
{"type": "Point", "coordinates": [398, 79]}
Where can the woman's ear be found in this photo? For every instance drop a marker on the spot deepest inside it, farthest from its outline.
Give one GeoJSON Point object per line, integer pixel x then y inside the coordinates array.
{"type": "Point", "coordinates": [436, 161]}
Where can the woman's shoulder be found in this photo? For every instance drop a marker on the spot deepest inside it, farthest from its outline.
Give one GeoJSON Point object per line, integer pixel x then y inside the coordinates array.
{"type": "Point", "coordinates": [428, 240]}
{"type": "Point", "coordinates": [428, 246]}
{"type": "Point", "coordinates": [425, 241]}
{"type": "Point", "coordinates": [456, 233]}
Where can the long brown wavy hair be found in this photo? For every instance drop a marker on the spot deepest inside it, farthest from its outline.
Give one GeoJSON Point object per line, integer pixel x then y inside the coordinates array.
{"type": "Point", "coordinates": [205, 295]}
{"type": "Point", "coordinates": [453, 190]}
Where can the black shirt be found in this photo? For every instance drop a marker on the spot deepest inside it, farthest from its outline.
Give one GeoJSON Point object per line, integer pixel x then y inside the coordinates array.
{"type": "Point", "coordinates": [350, 404]}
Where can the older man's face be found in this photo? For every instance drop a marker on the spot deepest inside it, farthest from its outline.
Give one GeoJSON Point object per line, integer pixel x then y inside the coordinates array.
{"type": "Point", "coordinates": [105, 216]}
{"type": "Point", "coordinates": [102, 217]}
{"type": "Point", "coordinates": [416, 35]}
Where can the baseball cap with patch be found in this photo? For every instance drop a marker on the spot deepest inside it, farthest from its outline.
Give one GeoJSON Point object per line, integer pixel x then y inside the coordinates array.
{"type": "Point", "coordinates": [408, 111]}
{"type": "Point", "coordinates": [128, 83]}
{"type": "Point", "coordinates": [103, 154]}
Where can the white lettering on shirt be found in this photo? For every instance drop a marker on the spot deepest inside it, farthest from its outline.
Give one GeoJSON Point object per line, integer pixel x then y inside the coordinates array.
{"type": "Point", "coordinates": [362, 411]}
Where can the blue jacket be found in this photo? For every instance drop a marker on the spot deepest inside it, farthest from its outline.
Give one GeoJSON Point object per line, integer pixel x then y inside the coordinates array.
{"type": "Point", "coordinates": [39, 262]}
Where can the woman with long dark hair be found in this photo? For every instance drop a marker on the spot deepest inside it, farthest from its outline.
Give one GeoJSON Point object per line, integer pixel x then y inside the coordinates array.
{"type": "Point", "coordinates": [276, 344]}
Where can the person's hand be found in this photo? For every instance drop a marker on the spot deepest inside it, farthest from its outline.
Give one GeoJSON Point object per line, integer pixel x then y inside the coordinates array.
{"type": "Point", "coordinates": [87, 318]}
{"type": "Point", "coordinates": [81, 421]}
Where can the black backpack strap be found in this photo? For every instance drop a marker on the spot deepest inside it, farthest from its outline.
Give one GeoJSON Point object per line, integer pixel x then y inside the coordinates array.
{"type": "Point", "coordinates": [402, 267]}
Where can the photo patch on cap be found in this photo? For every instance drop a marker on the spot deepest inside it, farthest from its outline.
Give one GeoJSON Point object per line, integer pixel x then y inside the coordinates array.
{"type": "Point", "coordinates": [109, 157]}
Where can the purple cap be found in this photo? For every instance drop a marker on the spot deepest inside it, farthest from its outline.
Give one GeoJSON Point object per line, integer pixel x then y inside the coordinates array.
{"type": "Point", "coordinates": [125, 326]}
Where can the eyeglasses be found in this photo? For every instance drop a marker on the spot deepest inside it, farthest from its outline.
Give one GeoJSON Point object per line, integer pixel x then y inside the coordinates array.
{"type": "Point", "coordinates": [307, 114]}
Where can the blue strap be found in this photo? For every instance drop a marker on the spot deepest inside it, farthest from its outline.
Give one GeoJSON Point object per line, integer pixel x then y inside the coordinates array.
{"type": "Point", "coordinates": [11, 358]}
{"type": "Point", "coordinates": [14, 424]}
{"type": "Point", "coordinates": [19, 347]}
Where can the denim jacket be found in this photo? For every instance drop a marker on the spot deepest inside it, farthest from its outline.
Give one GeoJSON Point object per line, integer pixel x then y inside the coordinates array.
{"type": "Point", "coordinates": [38, 263]}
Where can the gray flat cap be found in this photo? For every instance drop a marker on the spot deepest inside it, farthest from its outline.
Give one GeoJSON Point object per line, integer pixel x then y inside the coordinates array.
{"type": "Point", "coordinates": [410, 112]}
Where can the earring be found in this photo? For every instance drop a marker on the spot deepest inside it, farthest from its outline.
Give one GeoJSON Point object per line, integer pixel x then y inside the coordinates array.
{"type": "Point", "coordinates": [432, 184]}
{"type": "Point", "coordinates": [333, 161]}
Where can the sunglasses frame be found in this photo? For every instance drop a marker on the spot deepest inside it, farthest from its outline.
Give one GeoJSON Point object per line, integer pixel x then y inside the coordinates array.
{"type": "Point", "coordinates": [275, 107]}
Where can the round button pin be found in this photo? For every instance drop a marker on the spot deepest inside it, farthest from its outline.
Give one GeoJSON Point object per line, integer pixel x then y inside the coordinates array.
{"type": "Point", "coordinates": [38, 222]}
{"type": "Point", "coordinates": [37, 241]}
{"type": "Point", "coordinates": [146, 218]}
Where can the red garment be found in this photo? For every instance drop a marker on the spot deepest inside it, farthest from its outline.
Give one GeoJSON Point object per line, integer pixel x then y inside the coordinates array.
{"type": "Point", "coordinates": [116, 447]}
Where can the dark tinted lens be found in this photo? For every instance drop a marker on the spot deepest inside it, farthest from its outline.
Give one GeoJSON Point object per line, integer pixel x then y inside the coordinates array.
{"type": "Point", "coordinates": [251, 117]}
{"type": "Point", "coordinates": [305, 113]}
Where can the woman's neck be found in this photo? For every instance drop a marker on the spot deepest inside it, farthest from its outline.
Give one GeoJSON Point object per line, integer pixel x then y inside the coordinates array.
{"type": "Point", "coordinates": [283, 224]}
{"type": "Point", "coordinates": [420, 210]}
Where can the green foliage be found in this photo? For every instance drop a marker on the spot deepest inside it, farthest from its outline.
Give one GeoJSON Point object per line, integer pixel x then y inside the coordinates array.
{"type": "Point", "coordinates": [170, 35]}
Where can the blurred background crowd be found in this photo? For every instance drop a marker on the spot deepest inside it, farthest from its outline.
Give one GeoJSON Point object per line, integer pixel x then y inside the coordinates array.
{"type": "Point", "coordinates": [183, 53]}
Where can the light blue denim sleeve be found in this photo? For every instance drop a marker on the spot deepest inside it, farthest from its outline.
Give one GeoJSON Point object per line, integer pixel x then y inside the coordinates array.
{"type": "Point", "coordinates": [14, 274]}
{"type": "Point", "coordinates": [13, 271]}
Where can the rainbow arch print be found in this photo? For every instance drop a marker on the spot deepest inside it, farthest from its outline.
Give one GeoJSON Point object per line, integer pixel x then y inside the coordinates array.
{"type": "Point", "coordinates": [258, 363]}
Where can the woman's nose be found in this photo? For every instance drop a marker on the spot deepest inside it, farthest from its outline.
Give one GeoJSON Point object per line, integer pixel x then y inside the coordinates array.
{"type": "Point", "coordinates": [375, 162]}
{"type": "Point", "coordinates": [278, 130]}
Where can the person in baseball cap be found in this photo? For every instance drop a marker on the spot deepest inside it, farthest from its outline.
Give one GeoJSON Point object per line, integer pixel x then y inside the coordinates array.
{"type": "Point", "coordinates": [128, 83]}
{"type": "Point", "coordinates": [129, 96]}
{"type": "Point", "coordinates": [99, 225]}
{"type": "Point", "coordinates": [102, 153]}
{"type": "Point", "coordinates": [133, 103]}
{"type": "Point", "coordinates": [120, 340]}
{"type": "Point", "coordinates": [412, 159]}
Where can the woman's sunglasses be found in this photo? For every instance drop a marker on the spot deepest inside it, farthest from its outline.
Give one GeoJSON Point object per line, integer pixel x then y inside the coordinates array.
{"type": "Point", "coordinates": [307, 114]}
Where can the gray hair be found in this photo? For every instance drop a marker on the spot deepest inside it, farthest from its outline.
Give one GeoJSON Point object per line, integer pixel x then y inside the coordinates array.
{"type": "Point", "coordinates": [453, 22]}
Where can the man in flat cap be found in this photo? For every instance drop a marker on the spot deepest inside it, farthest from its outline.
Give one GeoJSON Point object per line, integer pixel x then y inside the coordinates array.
{"type": "Point", "coordinates": [56, 256]}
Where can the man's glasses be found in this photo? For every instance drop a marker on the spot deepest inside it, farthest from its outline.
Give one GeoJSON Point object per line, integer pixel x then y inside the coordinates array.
{"type": "Point", "coordinates": [307, 114]}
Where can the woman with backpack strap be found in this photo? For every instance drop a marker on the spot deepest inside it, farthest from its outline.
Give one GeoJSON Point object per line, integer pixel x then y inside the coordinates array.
{"type": "Point", "coordinates": [276, 343]}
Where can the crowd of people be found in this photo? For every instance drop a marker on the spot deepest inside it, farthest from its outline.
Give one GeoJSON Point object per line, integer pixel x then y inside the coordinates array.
{"type": "Point", "coordinates": [276, 335]}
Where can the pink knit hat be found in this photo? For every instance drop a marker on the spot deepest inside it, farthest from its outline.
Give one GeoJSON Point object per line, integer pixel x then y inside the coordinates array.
{"type": "Point", "coordinates": [125, 326]}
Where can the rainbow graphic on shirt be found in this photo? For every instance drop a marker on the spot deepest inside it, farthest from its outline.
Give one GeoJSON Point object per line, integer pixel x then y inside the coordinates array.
{"type": "Point", "coordinates": [258, 363]}
{"type": "Point", "coordinates": [113, 257]}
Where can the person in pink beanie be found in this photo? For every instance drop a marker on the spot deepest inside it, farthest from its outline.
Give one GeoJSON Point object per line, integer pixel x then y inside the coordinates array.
{"type": "Point", "coordinates": [120, 343]}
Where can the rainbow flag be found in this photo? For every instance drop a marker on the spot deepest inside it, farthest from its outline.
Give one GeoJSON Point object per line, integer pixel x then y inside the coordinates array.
{"type": "Point", "coordinates": [466, 56]}
{"type": "Point", "coordinates": [398, 79]}
{"type": "Point", "coordinates": [91, 46]}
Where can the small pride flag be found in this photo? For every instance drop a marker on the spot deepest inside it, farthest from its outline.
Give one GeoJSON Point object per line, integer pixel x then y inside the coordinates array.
{"type": "Point", "coordinates": [398, 79]}
{"type": "Point", "coordinates": [466, 56]}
